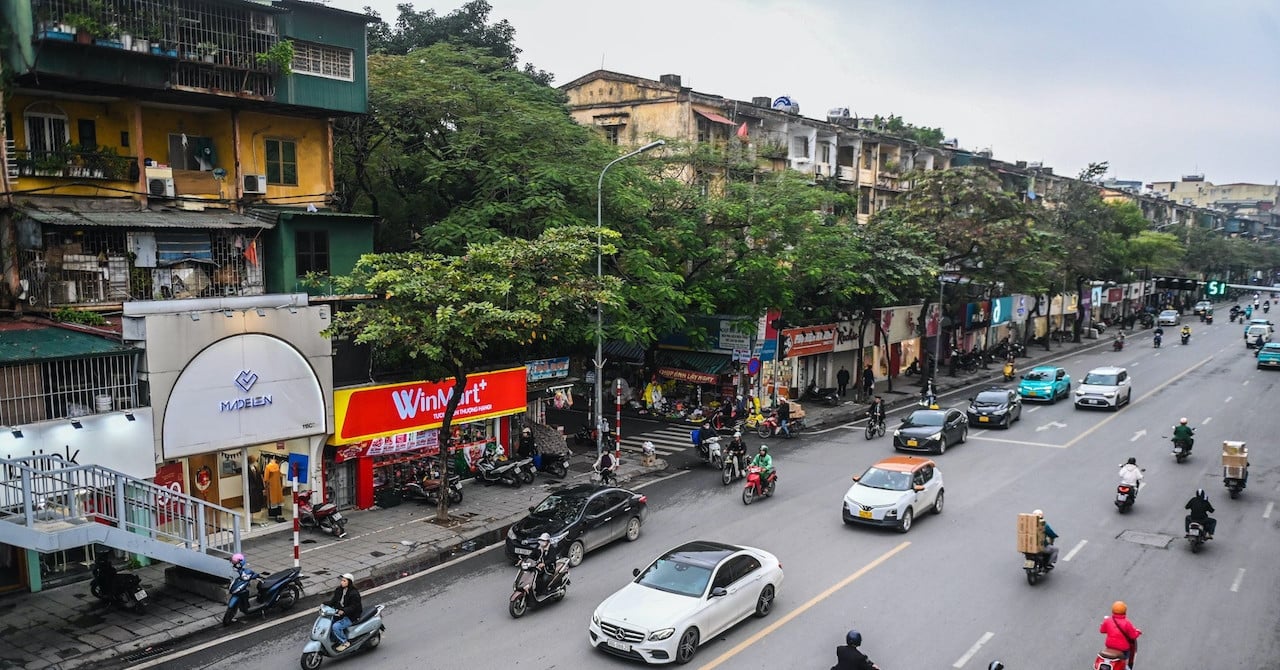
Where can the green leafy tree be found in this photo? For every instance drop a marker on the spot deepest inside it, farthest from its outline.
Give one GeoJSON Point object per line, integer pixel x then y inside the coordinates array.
{"type": "Point", "coordinates": [452, 314]}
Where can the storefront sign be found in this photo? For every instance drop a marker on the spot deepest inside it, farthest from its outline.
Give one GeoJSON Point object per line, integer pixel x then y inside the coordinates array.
{"type": "Point", "coordinates": [242, 390]}
{"type": "Point", "coordinates": [691, 376]}
{"type": "Point", "coordinates": [377, 411]}
{"type": "Point", "coordinates": [169, 478]}
{"type": "Point", "coordinates": [808, 341]}
{"type": "Point", "coordinates": [847, 335]}
{"type": "Point", "coordinates": [547, 368]}
{"type": "Point", "coordinates": [735, 335]}
{"type": "Point", "coordinates": [977, 315]}
{"type": "Point", "coordinates": [899, 324]}
{"type": "Point", "coordinates": [1001, 310]}
{"type": "Point", "coordinates": [1115, 295]}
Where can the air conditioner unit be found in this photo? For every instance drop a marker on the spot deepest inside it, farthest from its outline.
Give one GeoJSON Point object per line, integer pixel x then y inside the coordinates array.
{"type": "Point", "coordinates": [255, 183]}
{"type": "Point", "coordinates": [160, 182]}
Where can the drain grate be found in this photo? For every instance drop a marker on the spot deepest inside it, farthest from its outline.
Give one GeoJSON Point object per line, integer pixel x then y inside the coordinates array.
{"type": "Point", "coordinates": [1158, 540]}
{"type": "Point", "coordinates": [149, 652]}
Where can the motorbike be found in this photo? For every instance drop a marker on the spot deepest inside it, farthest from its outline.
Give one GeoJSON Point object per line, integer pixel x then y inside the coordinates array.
{"type": "Point", "coordinates": [1036, 566]}
{"type": "Point", "coordinates": [490, 470]}
{"type": "Point", "coordinates": [1181, 449]}
{"type": "Point", "coordinates": [525, 591]}
{"type": "Point", "coordinates": [1156, 339]}
{"type": "Point", "coordinates": [607, 476]}
{"type": "Point", "coordinates": [1126, 495]}
{"type": "Point", "coordinates": [1196, 536]}
{"type": "Point", "coordinates": [1235, 484]}
{"type": "Point", "coordinates": [1186, 337]}
{"type": "Point", "coordinates": [425, 486]}
{"type": "Point", "coordinates": [556, 465]}
{"type": "Point", "coordinates": [324, 516]}
{"type": "Point", "coordinates": [769, 427]}
{"type": "Point", "coordinates": [118, 588]}
{"type": "Point", "coordinates": [282, 592]}
{"type": "Point", "coordinates": [755, 488]}
{"type": "Point", "coordinates": [525, 470]}
{"type": "Point", "coordinates": [364, 634]}
{"type": "Point", "coordinates": [1010, 371]}
{"type": "Point", "coordinates": [732, 469]}
{"type": "Point", "coordinates": [827, 397]}
{"type": "Point", "coordinates": [1117, 344]}
{"type": "Point", "coordinates": [586, 435]}
{"type": "Point", "coordinates": [713, 452]}
{"type": "Point", "coordinates": [1108, 661]}
{"type": "Point", "coordinates": [1208, 318]}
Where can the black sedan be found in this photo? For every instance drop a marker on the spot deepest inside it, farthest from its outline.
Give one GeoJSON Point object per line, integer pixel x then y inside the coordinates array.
{"type": "Point", "coordinates": [579, 519]}
{"type": "Point", "coordinates": [995, 407]}
{"type": "Point", "coordinates": [931, 430]}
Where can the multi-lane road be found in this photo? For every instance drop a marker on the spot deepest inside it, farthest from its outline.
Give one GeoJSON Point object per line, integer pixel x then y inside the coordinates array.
{"type": "Point", "coordinates": [949, 594]}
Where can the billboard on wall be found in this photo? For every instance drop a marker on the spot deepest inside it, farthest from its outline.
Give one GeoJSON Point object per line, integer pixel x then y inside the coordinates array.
{"type": "Point", "coordinates": [808, 341]}
{"type": "Point", "coordinates": [977, 315]}
{"type": "Point", "coordinates": [898, 324]}
{"type": "Point", "coordinates": [1001, 310]}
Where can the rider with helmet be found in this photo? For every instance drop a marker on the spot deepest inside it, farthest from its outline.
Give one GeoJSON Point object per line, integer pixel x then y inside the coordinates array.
{"type": "Point", "coordinates": [849, 657]}
{"type": "Point", "coordinates": [1200, 508]}
{"type": "Point", "coordinates": [346, 600]}
{"type": "Point", "coordinates": [1122, 635]}
{"type": "Point", "coordinates": [1131, 474]}
{"type": "Point", "coordinates": [545, 556]}
{"type": "Point", "coordinates": [765, 462]}
{"type": "Point", "coordinates": [1182, 433]}
{"type": "Point", "coordinates": [1049, 551]}
{"type": "Point", "coordinates": [737, 449]}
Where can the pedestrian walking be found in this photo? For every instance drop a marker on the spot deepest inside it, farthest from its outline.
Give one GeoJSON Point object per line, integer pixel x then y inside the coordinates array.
{"type": "Point", "coordinates": [842, 380]}
{"type": "Point", "coordinates": [868, 381]}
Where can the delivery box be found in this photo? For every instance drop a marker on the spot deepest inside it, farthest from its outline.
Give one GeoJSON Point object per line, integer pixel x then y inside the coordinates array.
{"type": "Point", "coordinates": [1235, 457]}
{"type": "Point", "coordinates": [1030, 533]}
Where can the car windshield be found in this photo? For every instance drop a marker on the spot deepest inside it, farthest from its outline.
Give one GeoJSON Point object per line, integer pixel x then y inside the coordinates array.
{"type": "Point", "coordinates": [926, 417]}
{"type": "Point", "coordinates": [675, 577]}
{"type": "Point", "coordinates": [1272, 347]}
{"type": "Point", "coordinates": [1099, 379]}
{"type": "Point", "coordinates": [1168, 312]}
{"type": "Point", "coordinates": [889, 480]}
{"type": "Point", "coordinates": [1040, 376]}
{"type": "Point", "coordinates": [564, 508]}
{"type": "Point", "coordinates": [991, 398]}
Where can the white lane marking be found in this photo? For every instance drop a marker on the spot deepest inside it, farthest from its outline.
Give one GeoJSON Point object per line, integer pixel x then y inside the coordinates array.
{"type": "Point", "coordinates": [1246, 383]}
{"type": "Point", "coordinates": [1074, 550]}
{"type": "Point", "coordinates": [973, 651]}
{"type": "Point", "coordinates": [1235, 586]}
{"type": "Point", "coordinates": [980, 433]}
{"type": "Point", "coordinates": [1266, 513]}
{"type": "Point", "coordinates": [1022, 442]}
{"type": "Point", "coordinates": [1051, 424]}
{"type": "Point", "coordinates": [1138, 435]}
{"type": "Point", "coordinates": [1032, 409]}
{"type": "Point", "coordinates": [1207, 419]}
{"type": "Point", "coordinates": [1228, 399]}
{"type": "Point", "coordinates": [1140, 400]}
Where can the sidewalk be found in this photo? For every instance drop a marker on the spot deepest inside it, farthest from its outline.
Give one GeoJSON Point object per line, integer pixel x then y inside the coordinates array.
{"type": "Point", "coordinates": [67, 627]}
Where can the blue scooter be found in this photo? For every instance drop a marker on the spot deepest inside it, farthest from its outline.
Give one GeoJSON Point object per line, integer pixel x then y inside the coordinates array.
{"type": "Point", "coordinates": [365, 633]}
{"type": "Point", "coordinates": [283, 590]}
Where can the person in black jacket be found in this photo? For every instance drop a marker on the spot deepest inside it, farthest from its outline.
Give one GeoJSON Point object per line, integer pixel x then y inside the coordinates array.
{"type": "Point", "coordinates": [784, 417]}
{"type": "Point", "coordinates": [1200, 508]}
{"type": "Point", "coordinates": [849, 657]}
{"type": "Point", "coordinates": [346, 599]}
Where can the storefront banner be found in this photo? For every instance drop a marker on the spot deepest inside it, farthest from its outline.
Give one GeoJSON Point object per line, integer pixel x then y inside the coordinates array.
{"type": "Point", "coordinates": [977, 315]}
{"type": "Point", "coordinates": [1022, 305]}
{"type": "Point", "coordinates": [735, 335]}
{"type": "Point", "coordinates": [377, 411]}
{"type": "Point", "coordinates": [1001, 310]}
{"type": "Point", "coordinates": [1095, 295]}
{"type": "Point", "coordinates": [847, 335]}
{"type": "Point", "coordinates": [169, 477]}
{"type": "Point", "coordinates": [933, 320]}
{"type": "Point", "coordinates": [691, 376]}
{"type": "Point", "coordinates": [547, 368]}
{"type": "Point", "coordinates": [898, 324]}
{"type": "Point", "coordinates": [1115, 295]}
{"type": "Point", "coordinates": [247, 389]}
{"type": "Point", "coordinates": [808, 341]}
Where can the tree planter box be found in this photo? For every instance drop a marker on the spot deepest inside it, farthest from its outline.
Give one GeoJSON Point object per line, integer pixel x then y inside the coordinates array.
{"type": "Point", "coordinates": [55, 35]}
{"type": "Point", "coordinates": [113, 44]}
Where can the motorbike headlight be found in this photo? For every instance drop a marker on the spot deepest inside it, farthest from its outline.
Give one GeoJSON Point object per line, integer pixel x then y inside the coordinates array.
{"type": "Point", "coordinates": [511, 533]}
{"type": "Point", "coordinates": [661, 634]}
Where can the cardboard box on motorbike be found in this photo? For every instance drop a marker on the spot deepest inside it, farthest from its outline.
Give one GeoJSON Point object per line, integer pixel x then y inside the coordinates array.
{"type": "Point", "coordinates": [1031, 537]}
{"type": "Point", "coordinates": [797, 410]}
{"type": "Point", "coordinates": [1235, 458]}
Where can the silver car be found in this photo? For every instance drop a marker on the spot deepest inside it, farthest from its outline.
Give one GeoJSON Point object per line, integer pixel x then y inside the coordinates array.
{"type": "Point", "coordinates": [1169, 317]}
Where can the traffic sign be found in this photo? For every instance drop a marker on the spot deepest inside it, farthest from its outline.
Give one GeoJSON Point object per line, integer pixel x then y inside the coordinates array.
{"type": "Point", "coordinates": [753, 366]}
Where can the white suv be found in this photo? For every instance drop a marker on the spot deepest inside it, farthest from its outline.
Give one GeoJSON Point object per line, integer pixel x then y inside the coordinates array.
{"type": "Point", "coordinates": [1104, 387]}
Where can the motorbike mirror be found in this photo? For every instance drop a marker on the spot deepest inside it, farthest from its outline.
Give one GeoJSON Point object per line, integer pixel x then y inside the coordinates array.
{"type": "Point", "coordinates": [635, 572]}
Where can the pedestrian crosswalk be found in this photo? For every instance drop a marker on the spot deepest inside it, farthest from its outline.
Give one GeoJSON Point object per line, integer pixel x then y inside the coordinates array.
{"type": "Point", "coordinates": [667, 440]}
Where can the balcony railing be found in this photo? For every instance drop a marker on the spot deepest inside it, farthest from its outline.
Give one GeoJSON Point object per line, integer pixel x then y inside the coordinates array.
{"type": "Point", "coordinates": [65, 389]}
{"type": "Point", "coordinates": [74, 163]}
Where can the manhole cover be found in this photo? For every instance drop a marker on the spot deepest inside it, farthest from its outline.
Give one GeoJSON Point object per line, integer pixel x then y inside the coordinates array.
{"type": "Point", "coordinates": [1149, 539]}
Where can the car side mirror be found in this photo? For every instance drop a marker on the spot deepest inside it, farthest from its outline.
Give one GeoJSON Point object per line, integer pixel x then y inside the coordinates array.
{"type": "Point", "coordinates": [718, 592]}
{"type": "Point", "coordinates": [857, 477]}
{"type": "Point", "coordinates": [531, 508]}
{"type": "Point", "coordinates": [918, 488]}
{"type": "Point", "coordinates": [635, 572]}
{"type": "Point", "coordinates": [1022, 376]}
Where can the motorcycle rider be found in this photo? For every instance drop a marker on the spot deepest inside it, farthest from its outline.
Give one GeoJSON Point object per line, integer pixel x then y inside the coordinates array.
{"type": "Point", "coordinates": [346, 599]}
{"type": "Point", "coordinates": [784, 417]}
{"type": "Point", "coordinates": [1049, 551]}
{"type": "Point", "coordinates": [544, 556]}
{"type": "Point", "coordinates": [1122, 635]}
{"type": "Point", "coordinates": [1131, 475]}
{"type": "Point", "coordinates": [737, 449]}
{"type": "Point", "coordinates": [1119, 343]}
{"type": "Point", "coordinates": [1182, 433]}
{"type": "Point", "coordinates": [700, 439]}
{"type": "Point", "coordinates": [1186, 332]}
{"type": "Point", "coordinates": [849, 657]}
{"type": "Point", "coordinates": [1200, 508]}
{"type": "Point", "coordinates": [765, 462]}
{"type": "Point", "coordinates": [606, 463]}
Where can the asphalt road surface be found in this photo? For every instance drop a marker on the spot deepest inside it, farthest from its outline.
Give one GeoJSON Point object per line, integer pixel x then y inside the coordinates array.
{"type": "Point", "coordinates": [949, 594]}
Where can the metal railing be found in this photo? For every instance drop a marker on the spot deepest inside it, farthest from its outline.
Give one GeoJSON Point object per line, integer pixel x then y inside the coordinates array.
{"type": "Point", "coordinates": [67, 388]}
{"type": "Point", "coordinates": [72, 164]}
{"type": "Point", "coordinates": [50, 493]}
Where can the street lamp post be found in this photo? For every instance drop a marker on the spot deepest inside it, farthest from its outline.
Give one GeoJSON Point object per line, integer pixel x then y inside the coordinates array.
{"type": "Point", "coordinates": [599, 362]}
{"type": "Point", "coordinates": [937, 339]}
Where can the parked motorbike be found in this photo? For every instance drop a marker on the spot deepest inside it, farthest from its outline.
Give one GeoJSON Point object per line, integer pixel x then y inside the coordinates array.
{"type": "Point", "coordinates": [1125, 497]}
{"type": "Point", "coordinates": [118, 588]}
{"type": "Point", "coordinates": [733, 469]}
{"type": "Point", "coordinates": [526, 591]}
{"type": "Point", "coordinates": [587, 435]}
{"type": "Point", "coordinates": [1107, 661]}
{"type": "Point", "coordinates": [1196, 536]}
{"type": "Point", "coordinates": [282, 591]}
{"type": "Point", "coordinates": [324, 516]}
{"type": "Point", "coordinates": [490, 470]}
{"type": "Point", "coordinates": [525, 470]}
{"type": "Point", "coordinates": [425, 486]}
{"type": "Point", "coordinates": [1036, 565]}
{"type": "Point", "coordinates": [756, 488]}
{"type": "Point", "coordinates": [556, 465]}
{"type": "Point", "coordinates": [364, 634]}
{"type": "Point", "coordinates": [827, 396]}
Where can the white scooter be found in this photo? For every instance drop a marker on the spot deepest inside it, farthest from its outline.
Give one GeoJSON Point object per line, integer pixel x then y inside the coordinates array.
{"type": "Point", "coordinates": [363, 634]}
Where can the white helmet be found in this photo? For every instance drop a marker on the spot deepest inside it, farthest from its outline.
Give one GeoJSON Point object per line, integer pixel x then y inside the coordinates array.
{"type": "Point", "coordinates": [1183, 421]}
{"type": "Point", "coordinates": [1038, 512]}
{"type": "Point", "coordinates": [544, 538]}
{"type": "Point", "coordinates": [737, 434]}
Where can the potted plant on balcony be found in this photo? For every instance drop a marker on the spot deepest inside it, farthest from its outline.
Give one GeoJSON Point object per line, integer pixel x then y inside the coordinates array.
{"type": "Point", "coordinates": [50, 163]}
{"type": "Point", "coordinates": [84, 26]}
{"type": "Point", "coordinates": [207, 51]}
{"type": "Point", "coordinates": [279, 57]}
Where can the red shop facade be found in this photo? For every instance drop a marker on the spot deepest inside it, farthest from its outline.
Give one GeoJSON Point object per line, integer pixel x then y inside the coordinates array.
{"type": "Point", "coordinates": [382, 432]}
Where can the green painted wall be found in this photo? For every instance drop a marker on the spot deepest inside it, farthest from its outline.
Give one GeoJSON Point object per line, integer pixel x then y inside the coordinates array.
{"type": "Point", "coordinates": [350, 236]}
{"type": "Point", "coordinates": [321, 25]}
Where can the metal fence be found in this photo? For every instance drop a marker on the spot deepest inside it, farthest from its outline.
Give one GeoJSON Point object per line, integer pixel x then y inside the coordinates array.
{"type": "Point", "coordinates": [64, 389]}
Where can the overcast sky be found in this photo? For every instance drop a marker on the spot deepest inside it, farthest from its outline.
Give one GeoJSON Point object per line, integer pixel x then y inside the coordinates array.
{"type": "Point", "coordinates": [1160, 88]}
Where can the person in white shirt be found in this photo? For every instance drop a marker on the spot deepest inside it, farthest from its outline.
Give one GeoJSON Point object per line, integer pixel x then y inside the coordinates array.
{"type": "Point", "coordinates": [1131, 474]}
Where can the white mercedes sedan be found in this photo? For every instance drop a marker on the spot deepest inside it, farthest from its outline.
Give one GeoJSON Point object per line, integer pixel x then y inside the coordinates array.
{"type": "Point", "coordinates": [687, 596]}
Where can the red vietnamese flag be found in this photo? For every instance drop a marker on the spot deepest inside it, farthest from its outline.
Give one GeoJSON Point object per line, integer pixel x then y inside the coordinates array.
{"type": "Point", "coordinates": [742, 131]}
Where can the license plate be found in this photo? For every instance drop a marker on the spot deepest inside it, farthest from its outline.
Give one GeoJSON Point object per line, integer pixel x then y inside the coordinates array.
{"type": "Point", "coordinates": [912, 443]}
{"type": "Point", "coordinates": [141, 594]}
{"type": "Point", "coordinates": [983, 419]}
{"type": "Point", "coordinates": [1121, 497]}
{"type": "Point", "coordinates": [337, 516]}
{"type": "Point", "coordinates": [865, 514]}
{"type": "Point", "coordinates": [1028, 564]}
{"type": "Point", "coordinates": [620, 646]}
{"type": "Point", "coordinates": [524, 552]}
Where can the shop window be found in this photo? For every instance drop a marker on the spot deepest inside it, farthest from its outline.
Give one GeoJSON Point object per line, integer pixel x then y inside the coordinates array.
{"type": "Point", "coordinates": [312, 249]}
{"type": "Point", "coordinates": [282, 162]}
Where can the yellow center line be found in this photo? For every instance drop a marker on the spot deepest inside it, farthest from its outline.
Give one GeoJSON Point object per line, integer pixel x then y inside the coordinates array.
{"type": "Point", "coordinates": [1144, 396]}
{"type": "Point", "coordinates": [779, 623]}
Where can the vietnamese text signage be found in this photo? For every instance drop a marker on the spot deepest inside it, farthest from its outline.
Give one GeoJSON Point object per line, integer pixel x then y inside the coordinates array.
{"type": "Point", "coordinates": [547, 368]}
{"type": "Point", "coordinates": [808, 341]}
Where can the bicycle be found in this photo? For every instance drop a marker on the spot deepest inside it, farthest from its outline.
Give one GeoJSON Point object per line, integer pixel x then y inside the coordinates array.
{"type": "Point", "coordinates": [875, 428]}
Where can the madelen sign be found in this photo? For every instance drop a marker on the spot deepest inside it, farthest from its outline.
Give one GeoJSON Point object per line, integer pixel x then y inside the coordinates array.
{"type": "Point", "coordinates": [377, 411]}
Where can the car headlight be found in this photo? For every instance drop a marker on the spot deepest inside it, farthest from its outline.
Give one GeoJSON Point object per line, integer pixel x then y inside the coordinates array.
{"type": "Point", "coordinates": [936, 436]}
{"type": "Point", "coordinates": [892, 512]}
{"type": "Point", "coordinates": [1109, 394]}
{"type": "Point", "coordinates": [661, 634]}
{"type": "Point", "coordinates": [595, 618]}
{"type": "Point", "coordinates": [1079, 392]}
{"type": "Point", "coordinates": [897, 433]}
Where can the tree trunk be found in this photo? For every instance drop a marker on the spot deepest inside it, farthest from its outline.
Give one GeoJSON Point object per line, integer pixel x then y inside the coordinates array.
{"type": "Point", "coordinates": [1078, 328]}
{"type": "Point", "coordinates": [446, 440]}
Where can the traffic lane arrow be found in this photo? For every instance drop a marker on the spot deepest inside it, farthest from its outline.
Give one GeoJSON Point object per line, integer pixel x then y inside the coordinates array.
{"type": "Point", "coordinates": [1138, 435]}
{"type": "Point", "coordinates": [1051, 424]}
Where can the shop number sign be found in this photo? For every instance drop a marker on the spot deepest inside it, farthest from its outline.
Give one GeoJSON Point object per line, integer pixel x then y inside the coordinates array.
{"type": "Point", "coordinates": [378, 411]}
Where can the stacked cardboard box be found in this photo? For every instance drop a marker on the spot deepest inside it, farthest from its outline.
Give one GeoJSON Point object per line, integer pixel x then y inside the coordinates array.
{"type": "Point", "coordinates": [1030, 533]}
{"type": "Point", "coordinates": [797, 410]}
{"type": "Point", "coordinates": [1235, 457]}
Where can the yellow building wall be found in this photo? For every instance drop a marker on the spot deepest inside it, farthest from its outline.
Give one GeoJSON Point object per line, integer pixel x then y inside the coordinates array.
{"type": "Point", "coordinates": [112, 118]}
{"type": "Point", "coordinates": [651, 112]}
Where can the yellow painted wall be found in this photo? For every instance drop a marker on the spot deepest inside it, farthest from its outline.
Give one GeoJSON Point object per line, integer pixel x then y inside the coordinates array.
{"type": "Point", "coordinates": [652, 112]}
{"type": "Point", "coordinates": [111, 118]}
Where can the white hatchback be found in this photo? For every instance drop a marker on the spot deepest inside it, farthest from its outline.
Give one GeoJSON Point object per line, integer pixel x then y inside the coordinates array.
{"type": "Point", "coordinates": [1105, 387]}
{"type": "Point", "coordinates": [687, 597]}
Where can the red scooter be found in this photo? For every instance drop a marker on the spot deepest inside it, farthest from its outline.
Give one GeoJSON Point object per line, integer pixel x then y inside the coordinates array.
{"type": "Point", "coordinates": [755, 488]}
{"type": "Point", "coordinates": [324, 516]}
{"type": "Point", "coordinates": [1107, 661]}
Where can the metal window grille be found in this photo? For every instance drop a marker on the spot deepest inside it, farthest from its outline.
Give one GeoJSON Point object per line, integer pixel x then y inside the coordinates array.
{"type": "Point", "coordinates": [67, 388]}
{"type": "Point", "coordinates": [323, 61]}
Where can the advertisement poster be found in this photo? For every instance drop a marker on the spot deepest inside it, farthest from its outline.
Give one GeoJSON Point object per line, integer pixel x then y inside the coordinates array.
{"type": "Point", "coordinates": [169, 476]}
{"type": "Point", "coordinates": [380, 411]}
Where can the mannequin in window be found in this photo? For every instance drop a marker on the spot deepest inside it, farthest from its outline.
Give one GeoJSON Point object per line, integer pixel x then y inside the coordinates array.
{"type": "Point", "coordinates": [275, 489]}
{"type": "Point", "coordinates": [257, 487]}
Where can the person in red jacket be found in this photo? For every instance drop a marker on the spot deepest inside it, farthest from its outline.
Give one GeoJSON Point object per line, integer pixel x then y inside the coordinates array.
{"type": "Point", "coordinates": [1122, 635]}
